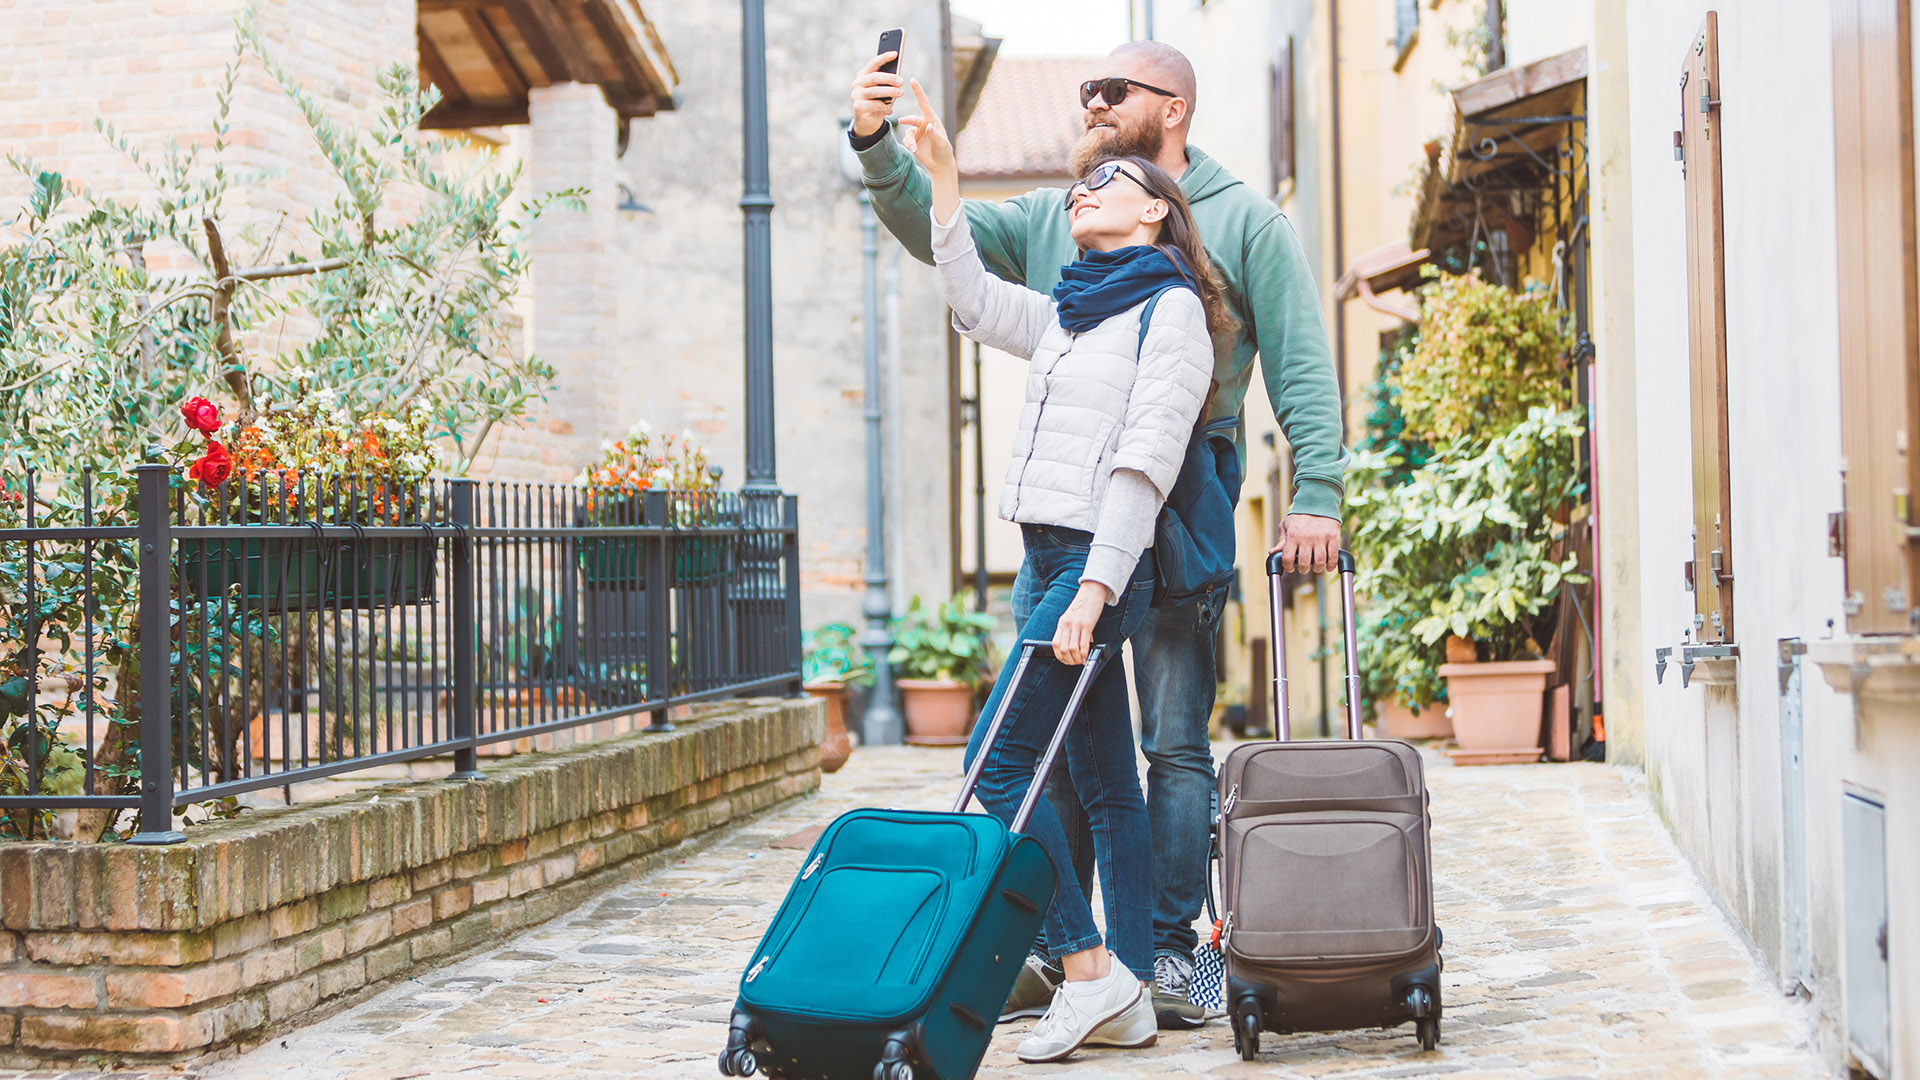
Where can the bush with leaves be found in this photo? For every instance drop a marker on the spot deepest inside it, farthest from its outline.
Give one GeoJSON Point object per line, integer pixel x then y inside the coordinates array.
{"type": "Point", "coordinates": [1486, 357]}
{"type": "Point", "coordinates": [397, 293]}
{"type": "Point", "coordinates": [949, 641]}
{"type": "Point", "coordinates": [1465, 547]}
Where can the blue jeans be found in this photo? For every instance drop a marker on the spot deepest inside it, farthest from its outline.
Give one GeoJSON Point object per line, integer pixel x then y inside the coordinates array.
{"type": "Point", "coordinates": [1098, 750]}
{"type": "Point", "coordinates": [1173, 666]}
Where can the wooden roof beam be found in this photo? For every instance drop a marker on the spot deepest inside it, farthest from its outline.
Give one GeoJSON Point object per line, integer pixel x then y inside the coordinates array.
{"type": "Point", "coordinates": [560, 56]}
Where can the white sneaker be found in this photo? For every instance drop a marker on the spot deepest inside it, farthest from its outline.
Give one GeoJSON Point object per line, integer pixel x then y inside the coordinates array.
{"type": "Point", "coordinates": [1133, 1029]}
{"type": "Point", "coordinates": [1081, 1008]}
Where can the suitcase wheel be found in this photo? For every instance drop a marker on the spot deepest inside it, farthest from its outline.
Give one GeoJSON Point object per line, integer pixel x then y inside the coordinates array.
{"type": "Point", "coordinates": [1246, 1029]}
{"type": "Point", "coordinates": [1426, 1017]}
{"type": "Point", "coordinates": [737, 1059]}
{"type": "Point", "coordinates": [893, 1063]}
{"type": "Point", "coordinates": [1428, 1031]}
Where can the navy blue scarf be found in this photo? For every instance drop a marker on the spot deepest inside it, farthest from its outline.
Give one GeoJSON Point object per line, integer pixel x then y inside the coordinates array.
{"type": "Point", "coordinates": [1101, 284]}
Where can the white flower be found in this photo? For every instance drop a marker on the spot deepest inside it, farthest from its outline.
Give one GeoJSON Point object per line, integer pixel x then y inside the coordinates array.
{"type": "Point", "coordinates": [643, 428]}
{"type": "Point", "coordinates": [663, 475]}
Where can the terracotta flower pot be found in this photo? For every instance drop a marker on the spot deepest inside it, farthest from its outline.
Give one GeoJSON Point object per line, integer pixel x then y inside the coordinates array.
{"type": "Point", "coordinates": [939, 711]}
{"type": "Point", "coordinates": [1401, 722]}
{"type": "Point", "coordinates": [837, 747]}
{"type": "Point", "coordinates": [1496, 710]}
{"type": "Point", "coordinates": [1460, 650]}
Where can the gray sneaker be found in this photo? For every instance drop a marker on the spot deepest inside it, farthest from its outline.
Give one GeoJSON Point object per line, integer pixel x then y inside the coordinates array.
{"type": "Point", "coordinates": [1032, 990]}
{"type": "Point", "coordinates": [1172, 976]}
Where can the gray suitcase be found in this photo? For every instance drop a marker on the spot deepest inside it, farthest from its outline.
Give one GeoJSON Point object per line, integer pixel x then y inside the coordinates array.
{"type": "Point", "coordinates": [1326, 872]}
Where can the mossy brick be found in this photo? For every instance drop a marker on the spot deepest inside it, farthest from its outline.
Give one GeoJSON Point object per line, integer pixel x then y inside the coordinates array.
{"type": "Point", "coordinates": [507, 916]}
{"type": "Point", "coordinates": [176, 989]}
{"type": "Point", "coordinates": [389, 959]}
{"type": "Point", "coordinates": [296, 918]}
{"type": "Point", "coordinates": [292, 998]}
{"type": "Point", "coordinates": [542, 844]}
{"type": "Point", "coordinates": [413, 914]}
{"type": "Point", "coordinates": [308, 953]}
{"type": "Point", "coordinates": [432, 876]}
{"type": "Point", "coordinates": [82, 947]}
{"type": "Point", "coordinates": [559, 868]}
{"type": "Point", "coordinates": [430, 943]}
{"type": "Point", "coordinates": [242, 935]}
{"type": "Point", "coordinates": [590, 856]}
{"type": "Point", "coordinates": [342, 902]}
{"type": "Point", "coordinates": [368, 931]}
{"type": "Point", "coordinates": [8, 1023]}
{"type": "Point", "coordinates": [233, 1019]}
{"type": "Point", "coordinates": [16, 886]}
{"type": "Point", "coordinates": [511, 852]}
{"type": "Point", "coordinates": [472, 864]}
{"type": "Point", "coordinates": [52, 871]}
{"type": "Point", "coordinates": [344, 977]}
{"type": "Point", "coordinates": [470, 929]}
{"type": "Point", "coordinates": [152, 1033]}
{"type": "Point", "coordinates": [90, 902]}
{"type": "Point", "coordinates": [448, 903]}
{"type": "Point", "coordinates": [573, 832]}
{"type": "Point", "coordinates": [10, 946]}
{"type": "Point", "coordinates": [524, 879]}
{"type": "Point", "coordinates": [603, 825]}
{"type": "Point", "coordinates": [270, 965]}
{"type": "Point", "coordinates": [333, 943]}
{"type": "Point", "coordinates": [49, 990]}
{"type": "Point", "coordinates": [487, 890]}
{"type": "Point", "coordinates": [387, 891]}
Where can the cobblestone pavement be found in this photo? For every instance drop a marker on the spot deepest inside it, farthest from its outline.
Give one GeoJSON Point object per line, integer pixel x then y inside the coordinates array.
{"type": "Point", "coordinates": [1577, 945]}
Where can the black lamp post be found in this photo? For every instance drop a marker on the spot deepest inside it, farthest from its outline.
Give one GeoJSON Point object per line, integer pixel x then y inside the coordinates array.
{"type": "Point", "coordinates": [756, 203]}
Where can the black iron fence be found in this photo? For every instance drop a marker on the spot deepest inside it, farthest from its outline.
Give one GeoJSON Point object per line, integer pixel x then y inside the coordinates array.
{"type": "Point", "coordinates": [160, 648]}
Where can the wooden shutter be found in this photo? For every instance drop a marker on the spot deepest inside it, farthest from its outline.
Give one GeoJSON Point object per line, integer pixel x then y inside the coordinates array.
{"type": "Point", "coordinates": [1879, 384]}
{"type": "Point", "coordinates": [1280, 138]}
{"type": "Point", "coordinates": [1406, 29]}
{"type": "Point", "coordinates": [1711, 569]}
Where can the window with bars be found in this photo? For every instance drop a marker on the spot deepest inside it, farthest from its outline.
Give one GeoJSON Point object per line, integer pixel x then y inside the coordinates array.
{"type": "Point", "coordinates": [1280, 145]}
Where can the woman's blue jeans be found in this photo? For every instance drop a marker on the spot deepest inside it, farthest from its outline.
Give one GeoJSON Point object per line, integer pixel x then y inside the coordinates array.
{"type": "Point", "coordinates": [1099, 754]}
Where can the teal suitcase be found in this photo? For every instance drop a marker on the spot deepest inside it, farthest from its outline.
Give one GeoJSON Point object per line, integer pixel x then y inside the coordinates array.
{"type": "Point", "coordinates": [900, 939]}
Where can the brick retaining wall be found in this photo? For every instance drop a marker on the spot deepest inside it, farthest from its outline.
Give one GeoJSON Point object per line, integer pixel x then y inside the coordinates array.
{"type": "Point", "coordinates": [120, 953]}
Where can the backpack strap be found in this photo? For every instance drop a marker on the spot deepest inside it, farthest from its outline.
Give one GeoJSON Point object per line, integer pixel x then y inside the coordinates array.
{"type": "Point", "coordinates": [1146, 315]}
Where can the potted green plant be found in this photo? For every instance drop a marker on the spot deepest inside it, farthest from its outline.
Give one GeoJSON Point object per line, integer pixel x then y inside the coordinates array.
{"type": "Point", "coordinates": [941, 653]}
{"type": "Point", "coordinates": [830, 662]}
{"type": "Point", "coordinates": [1467, 548]}
{"type": "Point", "coordinates": [616, 489]}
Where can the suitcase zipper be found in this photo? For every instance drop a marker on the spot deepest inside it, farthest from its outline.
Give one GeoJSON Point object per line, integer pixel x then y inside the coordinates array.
{"type": "Point", "coordinates": [812, 866]}
{"type": "Point", "coordinates": [754, 972]}
{"type": "Point", "coordinates": [1226, 935]}
{"type": "Point", "coordinates": [1233, 796]}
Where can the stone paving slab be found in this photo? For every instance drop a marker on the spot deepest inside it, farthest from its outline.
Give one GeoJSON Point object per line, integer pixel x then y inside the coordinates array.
{"type": "Point", "coordinates": [1577, 945]}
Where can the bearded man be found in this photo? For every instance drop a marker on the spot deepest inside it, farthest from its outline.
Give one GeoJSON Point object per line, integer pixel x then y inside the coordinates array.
{"type": "Point", "coordinates": [1140, 102]}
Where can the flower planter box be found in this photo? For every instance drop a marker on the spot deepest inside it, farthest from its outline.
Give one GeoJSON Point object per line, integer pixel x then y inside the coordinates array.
{"type": "Point", "coordinates": [1496, 710]}
{"type": "Point", "coordinates": [287, 574]}
{"type": "Point", "coordinates": [1401, 722]}
{"type": "Point", "coordinates": [622, 563]}
{"type": "Point", "coordinates": [939, 712]}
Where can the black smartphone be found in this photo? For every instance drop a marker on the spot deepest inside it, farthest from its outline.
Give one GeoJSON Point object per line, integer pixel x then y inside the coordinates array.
{"type": "Point", "coordinates": [890, 43]}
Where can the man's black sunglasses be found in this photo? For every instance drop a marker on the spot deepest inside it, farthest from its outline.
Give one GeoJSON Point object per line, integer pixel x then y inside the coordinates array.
{"type": "Point", "coordinates": [1102, 176]}
{"type": "Point", "coordinates": [1113, 91]}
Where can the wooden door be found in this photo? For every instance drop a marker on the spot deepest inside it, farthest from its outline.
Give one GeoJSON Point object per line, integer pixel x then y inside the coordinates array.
{"type": "Point", "coordinates": [1711, 569]}
{"type": "Point", "coordinates": [1879, 386]}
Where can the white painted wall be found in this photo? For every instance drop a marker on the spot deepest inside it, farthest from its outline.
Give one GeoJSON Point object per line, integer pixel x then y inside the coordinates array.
{"type": "Point", "coordinates": [1713, 753]}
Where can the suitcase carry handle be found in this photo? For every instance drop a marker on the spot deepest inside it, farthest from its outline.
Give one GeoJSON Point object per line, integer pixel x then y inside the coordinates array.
{"type": "Point", "coordinates": [1282, 718]}
{"type": "Point", "coordinates": [1096, 656]}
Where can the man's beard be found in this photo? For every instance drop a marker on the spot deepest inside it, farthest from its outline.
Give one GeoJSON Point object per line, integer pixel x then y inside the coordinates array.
{"type": "Point", "coordinates": [1144, 140]}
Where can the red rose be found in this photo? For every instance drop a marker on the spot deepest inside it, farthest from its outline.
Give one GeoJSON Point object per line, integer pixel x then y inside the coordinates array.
{"type": "Point", "coordinates": [202, 415]}
{"type": "Point", "coordinates": [214, 467]}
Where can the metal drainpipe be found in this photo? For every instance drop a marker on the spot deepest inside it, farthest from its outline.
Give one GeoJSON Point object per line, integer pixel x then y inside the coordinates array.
{"type": "Point", "coordinates": [979, 484]}
{"type": "Point", "coordinates": [756, 204]}
{"type": "Point", "coordinates": [881, 725]}
{"type": "Point", "coordinates": [1339, 308]}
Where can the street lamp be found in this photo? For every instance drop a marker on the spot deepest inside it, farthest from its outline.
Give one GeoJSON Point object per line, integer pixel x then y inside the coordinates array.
{"type": "Point", "coordinates": [881, 725]}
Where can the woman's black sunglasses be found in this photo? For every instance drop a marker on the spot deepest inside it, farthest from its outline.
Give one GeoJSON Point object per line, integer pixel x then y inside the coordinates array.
{"type": "Point", "coordinates": [1102, 176]}
{"type": "Point", "coordinates": [1114, 91]}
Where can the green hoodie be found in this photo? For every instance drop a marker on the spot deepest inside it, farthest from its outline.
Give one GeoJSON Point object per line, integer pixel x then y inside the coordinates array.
{"type": "Point", "coordinates": [1252, 245]}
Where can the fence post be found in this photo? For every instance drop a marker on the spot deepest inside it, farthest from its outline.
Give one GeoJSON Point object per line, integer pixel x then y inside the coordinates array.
{"type": "Point", "coordinates": [790, 551]}
{"type": "Point", "coordinates": [156, 670]}
{"type": "Point", "coordinates": [659, 609]}
{"type": "Point", "coordinates": [466, 762]}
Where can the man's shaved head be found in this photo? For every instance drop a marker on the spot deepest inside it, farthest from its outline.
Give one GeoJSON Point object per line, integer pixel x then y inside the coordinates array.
{"type": "Point", "coordinates": [1160, 64]}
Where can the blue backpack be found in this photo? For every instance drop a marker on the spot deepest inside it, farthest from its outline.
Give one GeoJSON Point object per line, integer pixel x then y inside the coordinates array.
{"type": "Point", "coordinates": [1193, 541]}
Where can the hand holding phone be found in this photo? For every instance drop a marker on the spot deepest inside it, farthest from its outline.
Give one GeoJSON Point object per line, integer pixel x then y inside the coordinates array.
{"type": "Point", "coordinates": [878, 85]}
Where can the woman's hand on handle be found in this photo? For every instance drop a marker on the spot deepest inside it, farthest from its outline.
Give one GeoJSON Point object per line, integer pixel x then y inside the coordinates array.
{"type": "Point", "coordinates": [1073, 634]}
{"type": "Point", "coordinates": [874, 92]}
{"type": "Point", "coordinates": [925, 137]}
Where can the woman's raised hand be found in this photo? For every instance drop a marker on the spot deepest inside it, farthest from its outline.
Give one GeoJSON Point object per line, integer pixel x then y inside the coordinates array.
{"type": "Point", "coordinates": [926, 137]}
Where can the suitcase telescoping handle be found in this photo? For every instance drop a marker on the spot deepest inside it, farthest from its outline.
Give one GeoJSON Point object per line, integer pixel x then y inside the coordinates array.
{"type": "Point", "coordinates": [1282, 725]}
{"type": "Point", "coordinates": [1096, 656]}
